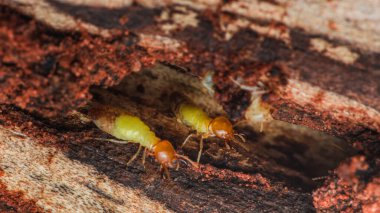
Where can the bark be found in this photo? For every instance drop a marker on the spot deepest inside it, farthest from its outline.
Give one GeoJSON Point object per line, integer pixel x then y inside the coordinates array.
{"type": "Point", "coordinates": [308, 73]}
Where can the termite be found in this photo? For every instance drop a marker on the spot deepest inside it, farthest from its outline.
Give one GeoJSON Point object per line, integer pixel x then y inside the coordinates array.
{"type": "Point", "coordinates": [205, 126]}
{"type": "Point", "coordinates": [258, 111]}
{"type": "Point", "coordinates": [131, 129]}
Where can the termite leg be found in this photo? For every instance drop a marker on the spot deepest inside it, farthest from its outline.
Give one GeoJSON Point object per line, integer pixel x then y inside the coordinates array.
{"type": "Point", "coordinates": [111, 140]}
{"type": "Point", "coordinates": [227, 146]}
{"type": "Point", "coordinates": [144, 156]}
{"type": "Point", "coordinates": [167, 173]}
{"type": "Point", "coordinates": [200, 149]}
{"type": "Point", "coordinates": [241, 138]}
{"type": "Point", "coordinates": [236, 141]}
{"type": "Point", "coordinates": [187, 139]}
{"type": "Point", "coordinates": [164, 172]}
{"type": "Point", "coordinates": [261, 126]}
{"type": "Point", "coordinates": [134, 156]}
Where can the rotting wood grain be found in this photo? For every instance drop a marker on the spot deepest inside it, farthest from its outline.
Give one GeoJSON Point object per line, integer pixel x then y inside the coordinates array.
{"type": "Point", "coordinates": [275, 47]}
{"type": "Point", "coordinates": [57, 183]}
{"type": "Point", "coordinates": [199, 49]}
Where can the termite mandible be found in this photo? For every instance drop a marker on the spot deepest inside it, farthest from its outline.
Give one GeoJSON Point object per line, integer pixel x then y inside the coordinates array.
{"type": "Point", "coordinates": [205, 126]}
{"type": "Point", "coordinates": [131, 129]}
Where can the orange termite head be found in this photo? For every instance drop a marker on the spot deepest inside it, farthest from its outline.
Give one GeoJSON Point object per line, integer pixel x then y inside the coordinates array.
{"type": "Point", "coordinates": [165, 154]}
{"type": "Point", "coordinates": [221, 127]}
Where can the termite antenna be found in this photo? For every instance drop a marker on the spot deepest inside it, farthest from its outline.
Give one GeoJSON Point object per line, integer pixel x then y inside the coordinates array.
{"type": "Point", "coordinates": [255, 90]}
{"type": "Point", "coordinates": [187, 160]}
{"type": "Point", "coordinates": [320, 178]}
{"type": "Point", "coordinates": [243, 87]}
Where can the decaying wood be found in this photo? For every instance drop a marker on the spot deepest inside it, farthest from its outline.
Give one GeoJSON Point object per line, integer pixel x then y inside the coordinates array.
{"type": "Point", "coordinates": [90, 175]}
{"type": "Point", "coordinates": [54, 181]}
{"type": "Point", "coordinates": [314, 64]}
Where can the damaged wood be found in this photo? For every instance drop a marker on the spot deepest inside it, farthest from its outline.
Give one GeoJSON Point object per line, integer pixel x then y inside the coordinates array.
{"type": "Point", "coordinates": [315, 71]}
{"type": "Point", "coordinates": [353, 187]}
{"type": "Point", "coordinates": [93, 175]}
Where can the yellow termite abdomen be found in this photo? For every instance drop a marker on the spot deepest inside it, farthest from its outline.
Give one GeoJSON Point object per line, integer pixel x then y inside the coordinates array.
{"type": "Point", "coordinates": [123, 126]}
{"type": "Point", "coordinates": [194, 117]}
{"type": "Point", "coordinates": [131, 128]}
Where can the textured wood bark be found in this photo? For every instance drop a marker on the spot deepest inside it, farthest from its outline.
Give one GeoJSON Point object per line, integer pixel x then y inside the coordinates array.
{"type": "Point", "coordinates": [317, 63]}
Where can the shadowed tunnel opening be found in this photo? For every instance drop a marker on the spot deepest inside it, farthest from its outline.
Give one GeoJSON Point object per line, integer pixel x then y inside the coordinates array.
{"type": "Point", "coordinates": [288, 153]}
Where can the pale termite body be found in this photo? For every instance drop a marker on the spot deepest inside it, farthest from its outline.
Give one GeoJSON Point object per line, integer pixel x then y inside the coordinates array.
{"type": "Point", "coordinates": [205, 126]}
{"type": "Point", "coordinates": [131, 129]}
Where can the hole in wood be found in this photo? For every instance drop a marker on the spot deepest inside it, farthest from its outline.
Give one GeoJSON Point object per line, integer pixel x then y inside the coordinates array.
{"type": "Point", "coordinates": [288, 153]}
